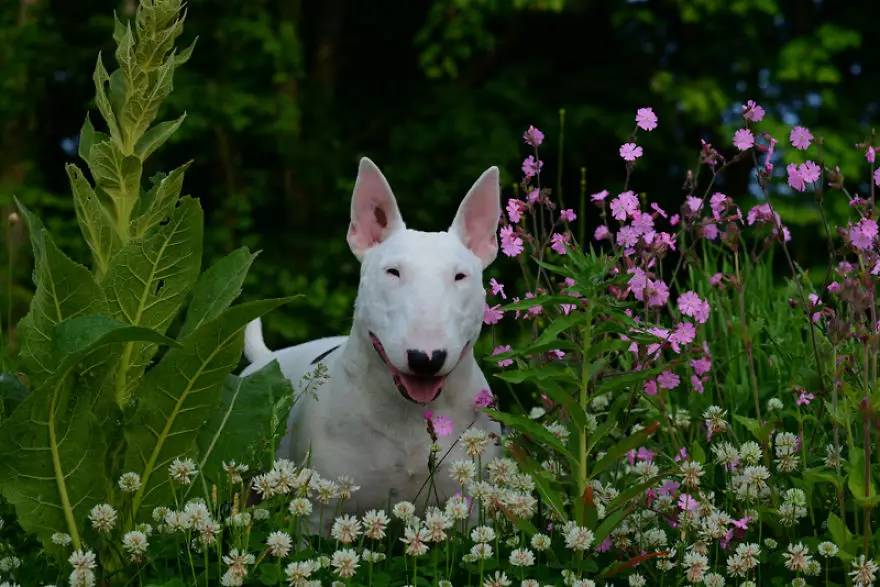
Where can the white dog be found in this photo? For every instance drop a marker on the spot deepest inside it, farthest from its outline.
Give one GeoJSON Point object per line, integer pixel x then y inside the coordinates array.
{"type": "Point", "coordinates": [418, 313]}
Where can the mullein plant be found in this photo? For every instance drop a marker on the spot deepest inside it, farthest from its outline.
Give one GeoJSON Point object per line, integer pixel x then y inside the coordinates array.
{"type": "Point", "coordinates": [678, 415]}
{"type": "Point", "coordinates": [119, 379]}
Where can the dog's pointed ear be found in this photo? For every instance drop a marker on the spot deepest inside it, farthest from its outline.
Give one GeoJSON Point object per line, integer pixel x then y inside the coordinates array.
{"type": "Point", "coordinates": [374, 213]}
{"type": "Point", "coordinates": [476, 221]}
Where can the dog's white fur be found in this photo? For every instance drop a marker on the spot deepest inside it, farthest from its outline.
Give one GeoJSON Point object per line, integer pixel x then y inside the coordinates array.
{"type": "Point", "coordinates": [360, 424]}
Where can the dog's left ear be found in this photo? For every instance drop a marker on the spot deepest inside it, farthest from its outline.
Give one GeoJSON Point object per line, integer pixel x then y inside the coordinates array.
{"type": "Point", "coordinates": [476, 221]}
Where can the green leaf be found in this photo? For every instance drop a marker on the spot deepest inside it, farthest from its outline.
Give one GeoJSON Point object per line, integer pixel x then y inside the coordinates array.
{"type": "Point", "coordinates": [142, 100]}
{"type": "Point", "coordinates": [617, 451]}
{"type": "Point", "coordinates": [857, 481]}
{"type": "Point", "coordinates": [12, 393]}
{"type": "Point", "coordinates": [148, 282]}
{"type": "Point", "coordinates": [159, 202]}
{"type": "Point", "coordinates": [156, 136]}
{"type": "Point", "coordinates": [245, 426]}
{"type": "Point", "coordinates": [64, 289]}
{"type": "Point", "coordinates": [217, 288]}
{"type": "Point", "coordinates": [94, 221]}
{"type": "Point", "coordinates": [102, 79]}
{"type": "Point", "coordinates": [177, 396]}
{"type": "Point", "coordinates": [118, 176]}
{"type": "Point", "coordinates": [88, 136]}
{"type": "Point", "coordinates": [52, 445]}
{"type": "Point", "coordinates": [535, 431]}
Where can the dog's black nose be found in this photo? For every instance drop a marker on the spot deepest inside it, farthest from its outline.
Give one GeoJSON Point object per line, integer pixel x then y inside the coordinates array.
{"type": "Point", "coordinates": [421, 364]}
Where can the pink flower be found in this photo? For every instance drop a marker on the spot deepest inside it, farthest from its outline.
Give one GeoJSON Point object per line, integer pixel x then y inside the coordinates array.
{"type": "Point", "coordinates": [716, 279]}
{"type": "Point", "coordinates": [492, 314]}
{"type": "Point", "coordinates": [627, 236]}
{"type": "Point", "coordinates": [567, 308]}
{"type": "Point", "coordinates": [567, 215]}
{"type": "Point", "coordinates": [809, 171]}
{"type": "Point", "coordinates": [569, 282]}
{"type": "Point", "coordinates": [630, 151]}
{"type": "Point", "coordinates": [601, 232]}
{"type": "Point", "coordinates": [531, 166]}
{"type": "Point", "coordinates": [690, 304]}
{"type": "Point", "coordinates": [557, 353]}
{"type": "Point", "coordinates": [656, 208]}
{"type": "Point", "coordinates": [624, 205]}
{"type": "Point", "coordinates": [443, 425]}
{"type": "Point", "coordinates": [760, 214]}
{"type": "Point", "coordinates": [800, 138]}
{"type": "Point", "coordinates": [646, 119]}
{"type": "Point", "coordinates": [650, 387]}
{"type": "Point", "coordinates": [658, 293]}
{"type": "Point", "coordinates": [863, 233]}
{"type": "Point", "coordinates": [484, 398]}
{"type": "Point", "coordinates": [804, 398]}
{"type": "Point", "coordinates": [674, 220]}
{"type": "Point", "coordinates": [693, 204]}
{"type": "Point", "coordinates": [795, 179]}
{"type": "Point", "coordinates": [870, 154]}
{"type": "Point", "coordinates": [599, 196]}
{"type": "Point", "coordinates": [684, 334]}
{"type": "Point", "coordinates": [501, 349]}
{"type": "Point", "coordinates": [515, 209]}
{"type": "Point", "coordinates": [558, 242]}
{"type": "Point", "coordinates": [497, 288]}
{"type": "Point", "coordinates": [877, 176]}
{"type": "Point", "coordinates": [533, 136]}
{"type": "Point", "coordinates": [743, 139]}
{"type": "Point", "coordinates": [752, 111]}
{"type": "Point", "coordinates": [686, 503]}
{"type": "Point", "coordinates": [697, 384]}
{"type": "Point", "coordinates": [718, 202]}
{"type": "Point", "coordinates": [710, 231]}
{"type": "Point", "coordinates": [534, 195]}
{"type": "Point", "coordinates": [511, 244]}
{"type": "Point", "coordinates": [702, 365]}
{"type": "Point", "coordinates": [668, 380]}
{"type": "Point", "coordinates": [682, 455]}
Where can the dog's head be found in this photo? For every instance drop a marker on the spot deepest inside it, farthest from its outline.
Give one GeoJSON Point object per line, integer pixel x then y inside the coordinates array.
{"type": "Point", "coordinates": [421, 295]}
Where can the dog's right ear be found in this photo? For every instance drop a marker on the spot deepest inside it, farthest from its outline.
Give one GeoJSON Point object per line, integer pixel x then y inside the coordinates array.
{"type": "Point", "coordinates": [374, 213]}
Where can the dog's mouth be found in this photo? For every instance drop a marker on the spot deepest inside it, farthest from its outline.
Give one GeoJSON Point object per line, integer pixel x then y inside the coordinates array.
{"type": "Point", "coordinates": [415, 388]}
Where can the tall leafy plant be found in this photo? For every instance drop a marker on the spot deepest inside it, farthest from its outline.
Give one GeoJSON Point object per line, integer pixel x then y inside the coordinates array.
{"type": "Point", "coordinates": [102, 399]}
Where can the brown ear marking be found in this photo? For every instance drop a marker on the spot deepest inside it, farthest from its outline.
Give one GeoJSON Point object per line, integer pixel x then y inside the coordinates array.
{"type": "Point", "coordinates": [381, 218]}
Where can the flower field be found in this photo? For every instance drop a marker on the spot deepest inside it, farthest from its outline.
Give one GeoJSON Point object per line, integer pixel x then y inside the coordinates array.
{"type": "Point", "coordinates": [681, 402]}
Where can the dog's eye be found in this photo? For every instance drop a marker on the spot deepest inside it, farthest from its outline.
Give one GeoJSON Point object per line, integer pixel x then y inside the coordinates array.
{"type": "Point", "coordinates": [393, 271]}
{"type": "Point", "coordinates": [459, 276]}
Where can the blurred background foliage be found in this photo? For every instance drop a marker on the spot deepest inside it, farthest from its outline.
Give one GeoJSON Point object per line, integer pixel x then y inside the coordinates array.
{"type": "Point", "coordinates": [284, 96]}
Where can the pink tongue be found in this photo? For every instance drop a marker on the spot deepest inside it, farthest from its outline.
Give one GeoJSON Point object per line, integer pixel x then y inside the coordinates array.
{"type": "Point", "coordinates": [422, 389]}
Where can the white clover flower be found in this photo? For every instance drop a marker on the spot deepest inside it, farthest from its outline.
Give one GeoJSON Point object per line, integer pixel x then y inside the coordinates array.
{"type": "Point", "coordinates": [463, 472]}
{"type": "Point", "coordinates": [474, 441]}
{"type": "Point", "coordinates": [827, 549]}
{"type": "Point", "coordinates": [416, 540]}
{"type": "Point", "coordinates": [713, 580]}
{"type": "Point", "coordinates": [578, 538]}
{"type": "Point", "coordinates": [750, 452]}
{"type": "Point", "coordinates": [82, 560]}
{"type": "Point", "coordinates": [177, 521]}
{"type": "Point", "coordinates": [691, 471]}
{"type": "Point", "coordinates": [403, 510]}
{"type": "Point", "coordinates": [436, 523]}
{"type": "Point", "coordinates": [522, 557]}
{"type": "Point", "coordinates": [774, 404]}
{"type": "Point", "coordinates": [347, 487]}
{"type": "Point", "coordinates": [501, 470]}
{"type": "Point", "coordinates": [279, 543]}
{"type": "Point", "coordinates": [540, 542]}
{"type": "Point", "coordinates": [346, 529]}
{"type": "Point", "coordinates": [8, 584]}
{"type": "Point", "coordinates": [300, 506]}
{"type": "Point", "coordinates": [636, 580]}
{"type": "Point", "coordinates": [798, 582]}
{"type": "Point", "coordinates": [457, 507]}
{"type": "Point", "coordinates": [499, 579]}
{"type": "Point", "coordinates": [558, 430]}
{"type": "Point", "coordinates": [9, 563]}
{"type": "Point", "coordinates": [135, 544]}
{"type": "Point", "coordinates": [183, 471]}
{"type": "Point", "coordinates": [298, 573]}
{"type": "Point", "coordinates": [537, 412]}
{"type": "Point", "coordinates": [482, 534]}
{"type": "Point", "coordinates": [371, 556]}
{"type": "Point", "coordinates": [481, 551]}
{"type": "Point", "coordinates": [864, 571]}
{"type": "Point", "coordinates": [129, 482]}
{"type": "Point", "coordinates": [103, 517]}
{"type": "Point", "coordinates": [237, 562]}
{"type": "Point", "coordinates": [61, 538]}
{"type": "Point", "coordinates": [83, 578]}
{"type": "Point", "coordinates": [159, 513]}
{"type": "Point", "coordinates": [197, 513]}
{"type": "Point", "coordinates": [208, 532]}
{"type": "Point", "coordinates": [695, 565]}
{"type": "Point", "coordinates": [375, 522]}
{"type": "Point", "coordinates": [345, 562]}
{"type": "Point", "coordinates": [797, 557]}
{"type": "Point", "coordinates": [583, 583]}
{"type": "Point", "coordinates": [327, 490]}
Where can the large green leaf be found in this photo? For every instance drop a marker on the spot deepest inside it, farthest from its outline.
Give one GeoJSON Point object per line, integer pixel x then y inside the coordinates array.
{"type": "Point", "coordinates": [217, 288]}
{"type": "Point", "coordinates": [148, 282]}
{"type": "Point", "coordinates": [246, 427]}
{"type": "Point", "coordinates": [179, 395]}
{"type": "Point", "coordinates": [117, 175]}
{"type": "Point", "coordinates": [64, 289]}
{"type": "Point", "coordinates": [94, 221]}
{"type": "Point", "coordinates": [52, 446]}
{"type": "Point", "coordinates": [156, 136]}
{"type": "Point", "coordinates": [158, 203]}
